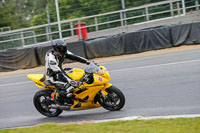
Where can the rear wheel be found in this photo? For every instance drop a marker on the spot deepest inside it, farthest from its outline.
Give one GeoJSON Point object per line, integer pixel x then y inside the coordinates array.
{"type": "Point", "coordinates": [114, 101]}
{"type": "Point", "coordinates": [42, 101]}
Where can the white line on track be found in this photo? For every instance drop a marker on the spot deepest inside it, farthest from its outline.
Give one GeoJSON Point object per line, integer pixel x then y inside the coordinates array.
{"type": "Point", "coordinates": [143, 67]}
{"type": "Point", "coordinates": [15, 83]}
{"type": "Point", "coordinates": [166, 64]}
{"type": "Point", "coordinates": [150, 117]}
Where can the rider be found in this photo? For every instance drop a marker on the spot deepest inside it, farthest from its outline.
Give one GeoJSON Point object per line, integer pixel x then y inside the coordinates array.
{"type": "Point", "coordinates": [53, 64]}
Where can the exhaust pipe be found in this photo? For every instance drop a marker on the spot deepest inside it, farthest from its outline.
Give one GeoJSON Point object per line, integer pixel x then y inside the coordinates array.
{"type": "Point", "coordinates": [56, 106]}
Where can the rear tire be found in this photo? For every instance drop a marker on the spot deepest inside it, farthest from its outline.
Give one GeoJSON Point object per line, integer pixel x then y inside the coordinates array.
{"type": "Point", "coordinates": [114, 101]}
{"type": "Point", "coordinates": [42, 100]}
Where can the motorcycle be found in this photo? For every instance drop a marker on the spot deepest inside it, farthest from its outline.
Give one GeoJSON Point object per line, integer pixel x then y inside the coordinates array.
{"type": "Point", "coordinates": [94, 91]}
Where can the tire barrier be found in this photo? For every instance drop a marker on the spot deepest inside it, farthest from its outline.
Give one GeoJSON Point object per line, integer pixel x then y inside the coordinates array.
{"type": "Point", "coordinates": [185, 34]}
{"type": "Point", "coordinates": [18, 59]}
{"type": "Point", "coordinates": [105, 46]}
{"type": "Point", "coordinates": [125, 43]}
{"type": "Point", "coordinates": [146, 40]}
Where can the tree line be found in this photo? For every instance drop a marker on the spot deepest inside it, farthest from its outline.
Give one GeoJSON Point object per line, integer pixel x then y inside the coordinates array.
{"type": "Point", "coordinates": [25, 13]}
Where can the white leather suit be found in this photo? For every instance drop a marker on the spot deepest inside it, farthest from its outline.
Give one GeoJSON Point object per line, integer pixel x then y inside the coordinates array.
{"type": "Point", "coordinates": [53, 64]}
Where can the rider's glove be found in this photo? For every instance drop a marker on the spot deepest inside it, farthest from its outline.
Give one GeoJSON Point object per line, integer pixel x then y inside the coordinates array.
{"type": "Point", "coordinates": [75, 83]}
{"type": "Point", "coordinates": [88, 62]}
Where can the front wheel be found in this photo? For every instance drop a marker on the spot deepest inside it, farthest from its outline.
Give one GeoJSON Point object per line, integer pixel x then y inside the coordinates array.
{"type": "Point", "coordinates": [114, 101]}
{"type": "Point", "coordinates": [42, 101]}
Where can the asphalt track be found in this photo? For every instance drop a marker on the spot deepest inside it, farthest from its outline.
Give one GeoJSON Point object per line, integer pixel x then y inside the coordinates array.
{"type": "Point", "coordinates": [154, 85]}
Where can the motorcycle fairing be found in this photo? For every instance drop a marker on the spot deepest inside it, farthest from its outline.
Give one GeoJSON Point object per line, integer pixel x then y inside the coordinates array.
{"type": "Point", "coordinates": [76, 74]}
{"type": "Point", "coordinates": [39, 80]}
{"type": "Point", "coordinates": [90, 94]}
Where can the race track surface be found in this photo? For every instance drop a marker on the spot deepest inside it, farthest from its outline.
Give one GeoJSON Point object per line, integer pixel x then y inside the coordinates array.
{"type": "Point", "coordinates": [154, 85]}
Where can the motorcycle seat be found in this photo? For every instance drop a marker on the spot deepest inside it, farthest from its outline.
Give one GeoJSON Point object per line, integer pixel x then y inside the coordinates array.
{"type": "Point", "coordinates": [68, 68]}
{"type": "Point", "coordinates": [43, 78]}
{"type": "Point", "coordinates": [47, 83]}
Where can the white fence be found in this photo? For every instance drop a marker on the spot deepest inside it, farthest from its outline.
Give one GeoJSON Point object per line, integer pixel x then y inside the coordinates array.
{"type": "Point", "coordinates": [145, 13]}
{"type": "Point", "coordinates": [3, 29]}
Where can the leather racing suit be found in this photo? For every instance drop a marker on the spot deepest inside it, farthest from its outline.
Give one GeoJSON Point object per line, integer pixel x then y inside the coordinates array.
{"type": "Point", "coordinates": [53, 64]}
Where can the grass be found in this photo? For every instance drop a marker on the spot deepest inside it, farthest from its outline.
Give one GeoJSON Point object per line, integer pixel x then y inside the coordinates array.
{"type": "Point", "coordinates": [180, 125]}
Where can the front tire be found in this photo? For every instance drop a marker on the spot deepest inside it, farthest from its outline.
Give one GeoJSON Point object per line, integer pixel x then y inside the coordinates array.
{"type": "Point", "coordinates": [114, 101]}
{"type": "Point", "coordinates": [42, 100]}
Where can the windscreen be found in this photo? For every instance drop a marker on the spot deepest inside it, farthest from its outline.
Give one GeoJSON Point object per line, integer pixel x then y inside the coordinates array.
{"type": "Point", "coordinates": [92, 68]}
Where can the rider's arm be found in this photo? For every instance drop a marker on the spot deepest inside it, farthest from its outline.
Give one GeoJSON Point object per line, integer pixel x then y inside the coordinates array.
{"type": "Point", "coordinates": [71, 56]}
{"type": "Point", "coordinates": [53, 64]}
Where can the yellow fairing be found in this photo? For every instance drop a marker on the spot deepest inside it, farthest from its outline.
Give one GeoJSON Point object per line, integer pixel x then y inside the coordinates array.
{"type": "Point", "coordinates": [100, 79]}
{"type": "Point", "coordinates": [105, 73]}
{"type": "Point", "coordinates": [75, 74]}
{"type": "Point", "coordinates": [84, 105]}
{"type": "Point", "coordinates": [36, 78]}
{"type": "Point", "coordinates": [100, 84]}
{"type": "Point", "coordinates": [103, 91]}
{"type": "Point", "coordinates": [89, 96]}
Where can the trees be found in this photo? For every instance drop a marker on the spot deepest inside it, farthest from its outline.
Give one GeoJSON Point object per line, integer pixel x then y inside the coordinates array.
{"type": "Point", "coordinates": [11, 15]}
{"type": "Point", "coordinates": [18, 13]}
{"type": "Point", "coordinates": [24, 13]}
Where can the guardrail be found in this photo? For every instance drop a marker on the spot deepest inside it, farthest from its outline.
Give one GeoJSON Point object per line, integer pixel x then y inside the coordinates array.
{"type": "Point", "coordinates": [3, 29]}
{"type": "Point", "coordinates": [145, 13]}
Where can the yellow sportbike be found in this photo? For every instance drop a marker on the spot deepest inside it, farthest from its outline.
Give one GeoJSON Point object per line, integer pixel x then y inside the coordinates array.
{"type": "Point", "coordinates": [93, 92]}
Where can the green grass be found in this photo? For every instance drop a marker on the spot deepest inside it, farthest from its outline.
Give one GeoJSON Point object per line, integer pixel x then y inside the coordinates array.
{"type": "Point", "coordinates": [180, 125]}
